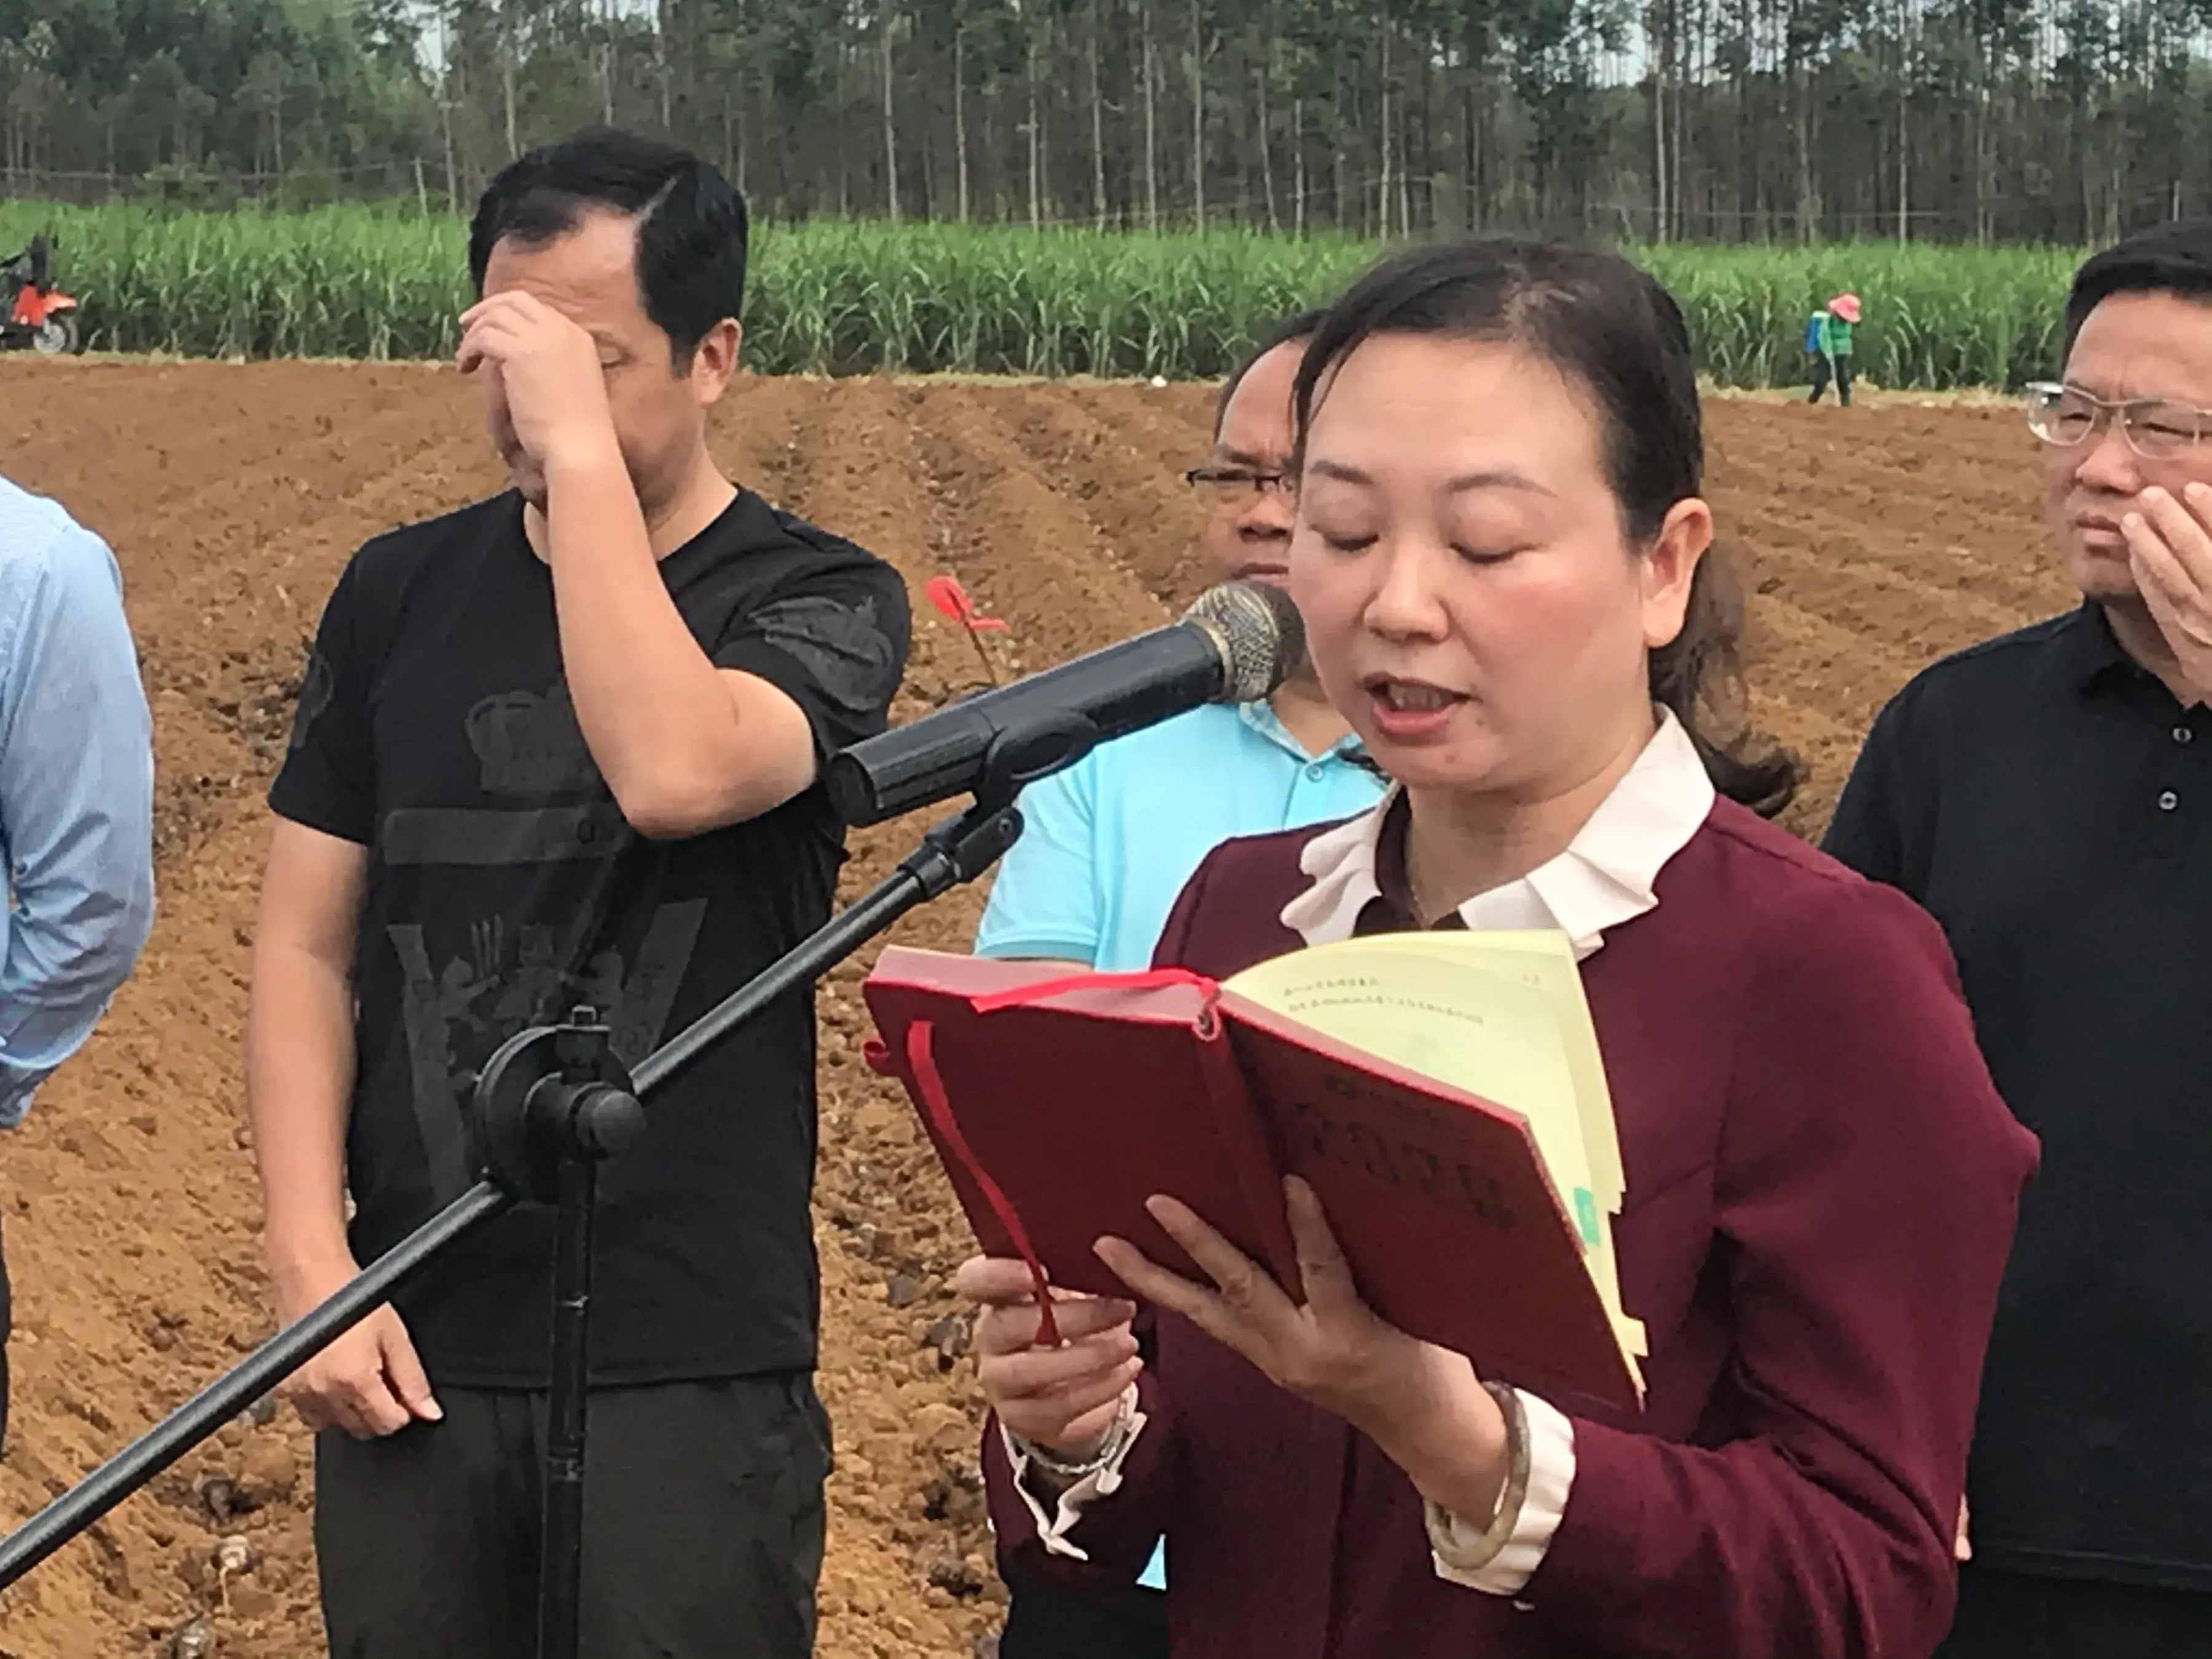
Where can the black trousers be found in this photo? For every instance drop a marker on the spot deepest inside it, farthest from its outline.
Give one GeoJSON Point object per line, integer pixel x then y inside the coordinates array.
{"type": "Point", "coordinates": [702, 1525]}
{"type": "Point", "coordinates": [1843, 374]}
{"type": "Point", "coordinates": [2009, 1615]}
{"type": "Point", "coordinates": [1046, 1621]}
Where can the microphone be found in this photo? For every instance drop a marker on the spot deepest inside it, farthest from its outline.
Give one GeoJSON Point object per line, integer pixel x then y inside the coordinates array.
{"type": "Point", "coordinates": [1236, 644]}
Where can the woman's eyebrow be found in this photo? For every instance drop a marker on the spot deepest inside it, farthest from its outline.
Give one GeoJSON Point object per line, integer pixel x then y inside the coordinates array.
{"type": "Point", "coordinates": [1494, 478]}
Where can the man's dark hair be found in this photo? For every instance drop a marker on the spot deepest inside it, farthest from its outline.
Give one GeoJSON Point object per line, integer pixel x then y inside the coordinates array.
{"type": "Point", "coordinates": [692, 227]}
{"type": "Point", "coordinates": [1611, 328]}
{"type": "Point", "coordinates": [2173, 258]}
{"type": "Point", "coordinates": [1285, 333]}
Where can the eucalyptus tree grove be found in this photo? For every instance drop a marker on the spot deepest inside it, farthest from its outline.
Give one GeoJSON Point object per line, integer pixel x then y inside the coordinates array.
{"type": "Point", "coordinates": [1659, 120]}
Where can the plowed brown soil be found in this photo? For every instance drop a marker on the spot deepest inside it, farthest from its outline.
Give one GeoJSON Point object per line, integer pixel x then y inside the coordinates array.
{"type": "Point", "coordinates": [1873, 539]}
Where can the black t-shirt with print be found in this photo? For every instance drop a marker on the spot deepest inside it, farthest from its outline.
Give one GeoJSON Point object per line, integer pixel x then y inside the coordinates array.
{"type": "Point", "coordinates": [504, 887]}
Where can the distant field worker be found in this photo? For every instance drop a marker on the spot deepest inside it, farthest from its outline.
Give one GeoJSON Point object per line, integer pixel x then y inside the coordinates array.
{"type": "Point", "coordinates": [1828, 338]}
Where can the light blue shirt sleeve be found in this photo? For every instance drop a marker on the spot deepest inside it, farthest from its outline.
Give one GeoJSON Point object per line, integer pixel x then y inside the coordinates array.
{"type": "Point", "coordinates": [76, 793]}
{"type": "Point", "coordinates": [1045, 899]}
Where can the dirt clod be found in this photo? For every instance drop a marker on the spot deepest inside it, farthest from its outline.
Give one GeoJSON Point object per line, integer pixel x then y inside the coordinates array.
{"type": "Point", "coordinates": [949, 1337]}
{"type": "Point", "coordinates": [220, 1497]}
{"type": "Point", "coordinates": [949, 1573]}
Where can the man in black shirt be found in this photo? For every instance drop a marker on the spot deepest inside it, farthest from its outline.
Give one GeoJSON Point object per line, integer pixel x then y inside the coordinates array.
{"type": "Point", "coordinates": [2048, 797]}
{"type": "Point", "coordinates": [560, 748]}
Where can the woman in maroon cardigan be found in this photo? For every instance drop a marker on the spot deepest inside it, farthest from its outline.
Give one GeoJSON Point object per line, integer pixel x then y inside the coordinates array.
{"type": "Point", "coordinates": [1502, 555]}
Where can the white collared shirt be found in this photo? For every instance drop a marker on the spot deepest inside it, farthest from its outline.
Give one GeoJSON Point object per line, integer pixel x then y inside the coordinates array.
{"type": "Point", "coordinates": [1607, 876]}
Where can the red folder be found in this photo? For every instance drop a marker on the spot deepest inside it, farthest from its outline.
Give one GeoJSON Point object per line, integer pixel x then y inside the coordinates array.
{"type": "Point", "coordinates": [1058, 1104]}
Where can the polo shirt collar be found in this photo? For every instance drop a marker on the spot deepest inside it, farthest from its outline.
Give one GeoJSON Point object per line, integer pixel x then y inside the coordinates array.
{"type": "Point", "coordinates": [1607, 875]}
{"type": "Point", "coordinates": [2097, 659]}
{"type": "Point", "coordinates": [1260, 717]}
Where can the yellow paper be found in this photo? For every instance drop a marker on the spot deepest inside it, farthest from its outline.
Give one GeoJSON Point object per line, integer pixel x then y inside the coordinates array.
{"type": "Point", "coordinates": [1500, 1015]}
{"type": "Point", "coordinates": [1547, 958]}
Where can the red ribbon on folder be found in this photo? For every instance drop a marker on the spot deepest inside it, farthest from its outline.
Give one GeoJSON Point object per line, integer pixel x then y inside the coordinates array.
{"type": "Point", "coordinates": [931, 1086]}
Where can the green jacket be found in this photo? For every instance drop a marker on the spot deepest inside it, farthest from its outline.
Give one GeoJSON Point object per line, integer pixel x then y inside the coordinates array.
{"type": "Point", "coordinates": [1829, 335]}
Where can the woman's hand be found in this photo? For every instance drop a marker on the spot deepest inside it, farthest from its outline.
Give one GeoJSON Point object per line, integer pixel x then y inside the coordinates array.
{"type": "Point", "coordinates": [1423, 1405]}
{"type": "Point", "coordinates": [1063, 1398]}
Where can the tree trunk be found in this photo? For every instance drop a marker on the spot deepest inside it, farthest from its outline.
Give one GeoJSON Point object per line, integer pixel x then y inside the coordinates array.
{"type": "Point", "coordinates": [1036, 199]}
{"type": "Point", "coordinates": [1382, 25]}
{"type": "Point", "coordinates": [1658, 156]}
{"type": "Point", "coordinates": [1052, 214]}
{"type": "Point", "coordinates": [1197, 118]}
{"type": "Point", "coordinates": [1477, 119]}
{"type": "Point", "coordinates": [1809, 207]}
{"type": "Point", "coordinates": [1152, 112]}
{"type": "Point", "coordinates": [1904, 145]}
{"type": "Point", "coordinates": [886, 15]}
{"type": "Point", "coordinates": [1426, 127]}
{"type": "Point", "coordinates": [1678, 84]}
{"type": "Point", "coordinates": [507, 73]}
{"type": "Point", "coordinates": [1298, 167]}
{"type": "Point", "coordinates": [607, 82]}
{"type": "Point", "coordinates": [1470, 149]}
{"type": "Point", "coordinates": [1981, 165]}
{"type": "Point", "coordinates": [1266, 149]}
{"type": "Point", "coordinates": [607, 64]}
{"type": "Point", "coordinates": [452, 174]}
{"type": "Point", "coordinates": [1406, 128]}
{"type": "Point", "coordinates": [1097, 125]}
{"type": "Point", "coordinates": [960, 109]}
{"type": "Point", "coordinates": [661, 65]}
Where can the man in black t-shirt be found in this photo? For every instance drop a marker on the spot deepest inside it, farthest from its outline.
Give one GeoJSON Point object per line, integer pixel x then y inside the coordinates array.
{"type": "Point", "coordinates": [558, 748]}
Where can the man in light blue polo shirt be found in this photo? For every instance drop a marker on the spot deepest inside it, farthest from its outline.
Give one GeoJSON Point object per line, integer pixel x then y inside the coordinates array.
{"type": "Point", "coordinates": [1107, 844]}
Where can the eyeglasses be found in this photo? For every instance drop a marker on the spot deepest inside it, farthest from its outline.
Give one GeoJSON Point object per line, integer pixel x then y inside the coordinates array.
{"type": "Point", "coordinates": [1233, 489]}
{"type": "Point", "coordinates": [2065, 416]}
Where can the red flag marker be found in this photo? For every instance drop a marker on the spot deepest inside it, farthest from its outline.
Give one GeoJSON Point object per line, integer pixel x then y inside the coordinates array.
{"type": "Point", "coordinates": [946, 593]}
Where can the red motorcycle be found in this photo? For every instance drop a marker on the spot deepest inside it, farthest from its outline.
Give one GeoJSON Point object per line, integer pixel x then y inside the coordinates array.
{"type": "Point", "coordinates": [41, 316]}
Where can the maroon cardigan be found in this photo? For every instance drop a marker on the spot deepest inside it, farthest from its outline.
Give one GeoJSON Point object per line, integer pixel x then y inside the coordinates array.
{"type": "Point", "coordinates": [1822, 1184]}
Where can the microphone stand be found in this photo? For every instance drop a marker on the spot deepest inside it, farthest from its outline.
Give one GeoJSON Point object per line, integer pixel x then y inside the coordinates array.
{"type": "Point", "coordinates": [549, 1106]}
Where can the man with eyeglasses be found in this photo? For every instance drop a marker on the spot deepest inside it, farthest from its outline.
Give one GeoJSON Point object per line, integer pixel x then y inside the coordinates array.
{"type": "Point", "coordinates": [1109, 843]}
{"type": "Point", "coordinates": [2048, 797]}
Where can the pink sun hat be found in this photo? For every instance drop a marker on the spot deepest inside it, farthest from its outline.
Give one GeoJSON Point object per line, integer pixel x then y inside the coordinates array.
{"type": "Point", "coordinates": [1845, 306]}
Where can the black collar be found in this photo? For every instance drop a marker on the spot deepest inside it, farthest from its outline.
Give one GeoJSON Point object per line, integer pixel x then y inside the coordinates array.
{"type": "Point", "coordinates": [2096, 660]}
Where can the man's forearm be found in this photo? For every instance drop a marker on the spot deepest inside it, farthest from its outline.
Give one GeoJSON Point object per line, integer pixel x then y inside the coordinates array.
{"type": "Point", "coordinates": [653, 708]}
{"type": "Point", "coordinates": [298, 1078]}
{"type": "Point", "coordinates": [57, 980]}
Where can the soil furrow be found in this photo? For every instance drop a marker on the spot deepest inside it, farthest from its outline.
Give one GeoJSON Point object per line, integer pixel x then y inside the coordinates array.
{"type": "Point", "coordinates": [234, 495]}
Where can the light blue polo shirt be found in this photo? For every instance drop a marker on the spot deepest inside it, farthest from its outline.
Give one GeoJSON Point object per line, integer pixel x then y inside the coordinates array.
{"type": "Point", "coordinates": [1107, 845]}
